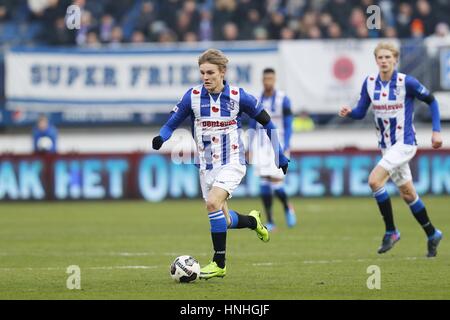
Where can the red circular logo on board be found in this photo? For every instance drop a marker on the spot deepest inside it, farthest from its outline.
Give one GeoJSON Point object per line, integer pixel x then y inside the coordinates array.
{"type": "Point", "coordinates": [343, 68]}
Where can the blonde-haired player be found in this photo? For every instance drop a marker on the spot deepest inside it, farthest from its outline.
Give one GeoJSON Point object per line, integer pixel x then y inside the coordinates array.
{"type": "Point", "coordinates": [391, 95]}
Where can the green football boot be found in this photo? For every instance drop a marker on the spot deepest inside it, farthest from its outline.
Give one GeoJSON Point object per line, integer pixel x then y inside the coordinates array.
{"type": "Point", "coordinates": [261, 230]}
{"type": "Point", "coordinates": [212, 270]}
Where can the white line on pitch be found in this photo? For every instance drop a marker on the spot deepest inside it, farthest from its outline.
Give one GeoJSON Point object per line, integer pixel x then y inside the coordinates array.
{"type": "Point", "coordinates": [85, 268]}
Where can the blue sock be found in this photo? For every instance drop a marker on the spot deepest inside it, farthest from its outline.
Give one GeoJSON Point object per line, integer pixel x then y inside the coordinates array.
{"type": "Point", "coordinates": [281, 194]}
{"type": "Point", "coordinates": [218, 224]}
{"type": "Point", "coordinates": [239, 221]}
{"type": "Point", "coordinates": [420, 213]}
{"type": "Point", "coordinates": [217, 221]}
{"type": "Point", "coordinates": [385, 206]}
{"type": "Point", "coordinates": [267, 199]}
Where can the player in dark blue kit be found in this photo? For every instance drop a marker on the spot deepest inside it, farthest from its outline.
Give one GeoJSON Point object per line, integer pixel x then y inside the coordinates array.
{"type": "Point", "coordinates": [45, 136]}
{"type": "Point", "coordinates": [392, 95]}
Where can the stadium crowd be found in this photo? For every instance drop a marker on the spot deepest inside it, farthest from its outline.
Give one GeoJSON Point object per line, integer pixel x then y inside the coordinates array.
{"type": "Point", "coordinates": [138, 21]}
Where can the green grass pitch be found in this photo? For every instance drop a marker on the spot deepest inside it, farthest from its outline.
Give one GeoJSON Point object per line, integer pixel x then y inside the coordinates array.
{"type": "Point", "coordinates": [124, 250]}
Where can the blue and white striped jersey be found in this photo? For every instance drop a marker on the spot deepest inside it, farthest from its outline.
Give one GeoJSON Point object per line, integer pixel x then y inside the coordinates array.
{"type": "Point", "coordinates": [393, 107]}
{"type": "Point", "coordinates": [216, 120]}
{"type": "Point", "coordinates": [278, 106]}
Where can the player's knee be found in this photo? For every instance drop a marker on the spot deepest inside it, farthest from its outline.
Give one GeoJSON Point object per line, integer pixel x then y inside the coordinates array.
{"type": "Point", "coordinates": [374, 183]}
{"type": "Point", "coordinates": [213, 204]}
{"type": "Point", "coordinates": [408, 194]}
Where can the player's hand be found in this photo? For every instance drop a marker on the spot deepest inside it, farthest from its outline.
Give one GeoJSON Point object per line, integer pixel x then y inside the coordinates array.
{"type": "Point", "coordinates": [345, 111]}
{"type": "Point", "coordinates": [287, 153]}
{"type": "Point", "coordinates": [283, 163]}
{"type": "Point", "coordinates": [436, 140]}
{"type": "Point", "coordinates": [157, 142]}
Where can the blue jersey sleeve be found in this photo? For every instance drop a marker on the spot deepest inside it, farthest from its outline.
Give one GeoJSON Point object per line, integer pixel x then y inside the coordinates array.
{"type": "Point", "coordinates": [419, 91]}
{"type": "Point", "coordinates": [287, 122]}
{"type": "Point", "coordinates": [363, 104]}
{"type": "Point", "coordinates": [416, 89]}
{"type": "Point", "coordinates": [181, 111]}
{"type": "Point", "coordinates": [249, 104]}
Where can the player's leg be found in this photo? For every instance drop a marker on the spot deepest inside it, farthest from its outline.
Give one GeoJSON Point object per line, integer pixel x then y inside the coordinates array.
{"type": "Point", "coordinates": [377, 181]}
{"type": "Point", "coordinates": [267, 200]}
{"type": "Point", "coordinates": [289, 213]}
{"type": "Point", "coordinates": [419, 211]}
{"type": "Point", "coordinates": [218, 227]}
{"type": "Point", "coordinates": [250, 221]}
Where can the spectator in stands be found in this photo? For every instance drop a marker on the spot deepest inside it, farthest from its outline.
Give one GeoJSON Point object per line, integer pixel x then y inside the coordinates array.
{"type": "Point", "coordinates": [334, 31]}
{"type": "Point", "coordinates": [425, 16]}
{"type": "Point", "coordinates": [261, 34]}
{"type": "Point", "coordinates": [205, 27]}
{"type": "Point", "coordinates": [45, 136]}
{"type": "Point", "coordinates": [404, 19]}
{"type": "Point", "coordinates": [146, 17]}
{"type": "Point", "coordinates": [281, 19]}
{"type": "Point", "coordinates": [106, 27]}
{"type": "Point", "coordinates": [138, 37]}
{"type": "Point", "coordinates": [230, 32]}
{"type": "Point", "coordinates": [440, 38]}
{"type": "Point", "coordinates": [6, 7]}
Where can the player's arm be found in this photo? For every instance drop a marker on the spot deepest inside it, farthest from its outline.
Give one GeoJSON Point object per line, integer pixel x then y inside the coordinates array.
{"type": "Point", "coordinates": [178, 115]}
{"type": "Point", "coordinates": [287, 123]}
{"type": "Point", "coordinates": [363, 105]}
{"type": "Point", "coordinates": [250, 106]}
{"type": "Point", "coordinates": [416, 89]}
{"type": "Point", "coordinates": [53, 134]}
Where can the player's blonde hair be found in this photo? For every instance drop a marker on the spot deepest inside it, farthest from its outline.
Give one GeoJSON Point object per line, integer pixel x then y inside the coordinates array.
{"type": "Point", "coordinates": [387, 46]}
{"type": "Point", "coordinates": [214, 56]}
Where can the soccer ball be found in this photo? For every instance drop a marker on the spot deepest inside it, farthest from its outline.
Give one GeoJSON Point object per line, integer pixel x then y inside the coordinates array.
{"type": "Point", "coordinates": [185, 269]}
{"type": "Point", "coordinates": [44, 144]}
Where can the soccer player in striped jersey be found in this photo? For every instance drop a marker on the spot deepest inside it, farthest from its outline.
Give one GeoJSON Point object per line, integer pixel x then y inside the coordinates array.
{"type": "Point", "coordinates": [278, 106]}
{"type": "Point", "coordinates": [215, 108]}
{"type": "Point", "coordinates": [392, 95]}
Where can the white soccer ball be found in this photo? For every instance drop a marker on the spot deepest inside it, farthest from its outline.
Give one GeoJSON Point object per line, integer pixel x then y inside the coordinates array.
{"type": "Point", "coordinates": [185, 269]}
{"type": "Point", "coordinates": [44, 144]}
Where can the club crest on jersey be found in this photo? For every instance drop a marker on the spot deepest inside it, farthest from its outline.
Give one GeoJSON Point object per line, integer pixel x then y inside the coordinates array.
{"type": "Point", "coordinates": [230, 105]}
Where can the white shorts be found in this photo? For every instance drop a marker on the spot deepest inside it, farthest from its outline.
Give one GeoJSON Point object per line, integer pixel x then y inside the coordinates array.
{"type": "Point", "coordinates": [227, 177]}
{"type": "Point", "coordinates": [264, 161]}
{"type": "Point", "coordinates": [395, 161]}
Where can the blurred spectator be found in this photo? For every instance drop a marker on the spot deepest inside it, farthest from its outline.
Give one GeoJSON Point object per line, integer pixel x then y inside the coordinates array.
{"type": "Point", "coordinates": [261, 34]}
{"type": "Point", "coordinates": [404, 19]}
{"type": "Point", "coordinates": [205, 27]}
{"type": "Point", "coordinates": [440, 38]}
{"type": "Point", "coordinates": [45, 136]}
{"type": "Point", "coordinates": [206, 20]}
{"type": "Point", "coordinates": [92, 39]}
{"type": "Point", "coordinates": [138, 37]}
{"type": "Point", "coordinates": [224, 12]}
{"type": "Point", "coordinates": [61, 35]}
{"type": "Point", "coordinates": [277, 22]}
{"type": "Point", "coordinates": [230, 32]}
{"type": "Point", "coordinates": [334, 31]}
{"type": "Point", "coordinates": [287, 34]}
{"type": "Point", "coordinates": [116, 35]}
{"type": "Point", "coordinates": [106, 27]}
{"type": "Point", "coordinates": [424, 15]}
{"type": "Point", "coordinates": [250, 22]}
{"type": "Point", "coordinates": [6, 9]}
